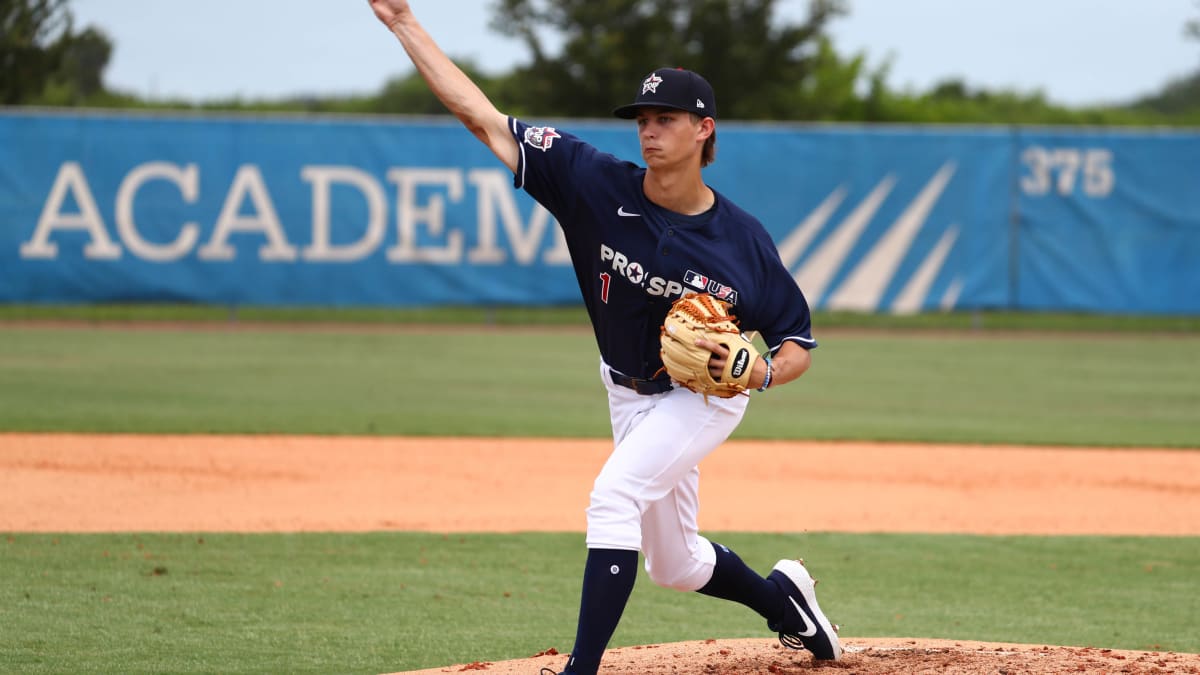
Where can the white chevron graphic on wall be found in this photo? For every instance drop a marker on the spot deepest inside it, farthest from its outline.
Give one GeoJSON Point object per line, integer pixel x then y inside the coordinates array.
{"type": "Point", "coordinates": [917, 289]}
{"type": "Point", "coordinates": [863, 289]}
{"type": "Point", "coordinates": [814, 276]}
{"type": "Point", "coordinates": [791, 248]}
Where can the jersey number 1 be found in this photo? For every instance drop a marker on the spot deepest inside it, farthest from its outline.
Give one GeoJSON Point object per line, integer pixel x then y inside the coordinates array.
{"type": "Point", "coordinates": [605, 282]}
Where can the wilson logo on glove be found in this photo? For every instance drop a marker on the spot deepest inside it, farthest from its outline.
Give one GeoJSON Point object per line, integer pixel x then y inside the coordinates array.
{"type": "Point", "coordinates": [740, 362]}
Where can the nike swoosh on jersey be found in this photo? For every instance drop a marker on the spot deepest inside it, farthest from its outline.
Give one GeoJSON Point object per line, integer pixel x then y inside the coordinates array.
{"type": "Point", "coordinates": [622, 212]}
{"type": "Point", "coordinates": [810, 629]}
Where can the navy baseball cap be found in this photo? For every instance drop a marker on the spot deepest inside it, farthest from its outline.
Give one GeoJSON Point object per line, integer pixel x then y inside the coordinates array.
{"type": "Point", "coordinates": [674, 88]}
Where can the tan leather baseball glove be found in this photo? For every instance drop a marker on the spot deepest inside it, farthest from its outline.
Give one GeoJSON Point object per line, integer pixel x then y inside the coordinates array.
{"type": "Point", "coordinates": [700, 315]}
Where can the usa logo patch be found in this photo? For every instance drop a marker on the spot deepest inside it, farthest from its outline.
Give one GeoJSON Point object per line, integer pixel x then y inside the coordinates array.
{"type": "Point", "coordinates": [712, 287]}
{"type": "Point", "coordinates": [541, 137]}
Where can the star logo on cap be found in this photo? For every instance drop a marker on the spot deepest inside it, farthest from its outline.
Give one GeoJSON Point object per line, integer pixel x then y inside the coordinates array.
{"type": "Point", "coordinates": [651, 83]}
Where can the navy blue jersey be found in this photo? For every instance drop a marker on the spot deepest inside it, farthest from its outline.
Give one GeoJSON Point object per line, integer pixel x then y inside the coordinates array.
{"type": "Point", "coordinates": [633, 259]}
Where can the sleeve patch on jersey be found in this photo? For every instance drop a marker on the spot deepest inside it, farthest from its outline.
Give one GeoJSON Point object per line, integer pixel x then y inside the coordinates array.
{"type": "Point", "coordinates": [541, 137]}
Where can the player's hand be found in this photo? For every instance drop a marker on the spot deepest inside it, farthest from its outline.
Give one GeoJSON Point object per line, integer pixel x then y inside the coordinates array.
{"type": "Point", "coordinates": [716, 364]}
{"type": "Point", "coordinates": [389, 11]}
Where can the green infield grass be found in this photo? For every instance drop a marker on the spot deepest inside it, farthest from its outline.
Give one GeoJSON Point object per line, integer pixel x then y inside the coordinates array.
{"type": "Point", "coordinates": [381, 602]}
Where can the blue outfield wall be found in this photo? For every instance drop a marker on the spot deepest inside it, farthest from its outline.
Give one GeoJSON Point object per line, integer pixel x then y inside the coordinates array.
{"type": "Point", "coordinates": [414, 212]}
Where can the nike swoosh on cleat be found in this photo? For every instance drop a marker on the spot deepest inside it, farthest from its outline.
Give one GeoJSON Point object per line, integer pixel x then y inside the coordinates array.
{"type": "Point", "coordinates": [622, 212]}
{"type": "Point", "coordinates": [810, 629]}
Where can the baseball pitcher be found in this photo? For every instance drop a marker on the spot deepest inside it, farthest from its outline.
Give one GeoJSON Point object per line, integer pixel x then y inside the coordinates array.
{"type": "Point", "coordinates": [672, 273]}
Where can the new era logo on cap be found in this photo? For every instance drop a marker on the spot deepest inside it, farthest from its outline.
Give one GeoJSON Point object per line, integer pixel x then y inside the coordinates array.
{"type": "Point", "coordinates": [674, 88]}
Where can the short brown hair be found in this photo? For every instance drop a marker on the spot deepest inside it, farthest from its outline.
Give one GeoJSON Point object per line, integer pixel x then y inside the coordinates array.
{"type": "Point", "coordinates": [709, 153]}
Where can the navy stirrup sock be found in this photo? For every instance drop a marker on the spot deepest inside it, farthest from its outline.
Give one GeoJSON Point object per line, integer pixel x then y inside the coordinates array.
{"type": "Point", "coordinates": [608, 578]}
{"type": "Point", "coordinates": [733, 580]}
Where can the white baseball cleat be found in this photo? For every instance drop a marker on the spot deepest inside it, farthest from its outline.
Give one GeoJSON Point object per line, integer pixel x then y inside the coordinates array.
{"type": "Point", "coordinates": [804, 625]}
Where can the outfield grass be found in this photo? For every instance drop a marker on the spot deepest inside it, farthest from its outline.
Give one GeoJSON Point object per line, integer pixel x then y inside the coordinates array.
{"type": "Point", "coordinates": [505, 315]}
{"type": "Point", "coordinates": [369, 603]}
{"type": "Point", "coordinates": [1118, 390]}
{"type": "Point", "coordinates": [1049, 388]}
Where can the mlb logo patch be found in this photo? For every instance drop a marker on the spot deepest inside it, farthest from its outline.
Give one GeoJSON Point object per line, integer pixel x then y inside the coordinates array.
{"type": "Point", "coordinates": [706, 284]}
{"type": "Point", "coordinates": [541, 137]}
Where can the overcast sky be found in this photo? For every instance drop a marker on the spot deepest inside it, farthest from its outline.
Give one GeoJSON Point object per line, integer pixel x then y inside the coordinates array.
{"type": "Point", "coordinates": [1076, 51]}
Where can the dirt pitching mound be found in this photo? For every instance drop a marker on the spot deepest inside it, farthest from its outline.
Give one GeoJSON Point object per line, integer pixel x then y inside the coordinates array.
{"type": "Point", "coordinates": [863, 656]}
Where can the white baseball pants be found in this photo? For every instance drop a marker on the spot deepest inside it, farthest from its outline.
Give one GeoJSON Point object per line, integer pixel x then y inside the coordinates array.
{"type": "Point", "coordinates": [647, 495]}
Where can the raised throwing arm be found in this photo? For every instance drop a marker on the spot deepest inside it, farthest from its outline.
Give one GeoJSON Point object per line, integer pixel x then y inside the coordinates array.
{"type": "Point", "coordinates": [448, 82]}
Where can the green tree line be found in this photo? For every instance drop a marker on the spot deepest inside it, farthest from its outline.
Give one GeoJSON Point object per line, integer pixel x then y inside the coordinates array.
{"type": "Point", "coordinates": [767, 68]}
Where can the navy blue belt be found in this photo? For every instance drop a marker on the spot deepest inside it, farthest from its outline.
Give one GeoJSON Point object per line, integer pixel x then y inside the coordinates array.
{"type": "Point", "coordinates": [643, 387]}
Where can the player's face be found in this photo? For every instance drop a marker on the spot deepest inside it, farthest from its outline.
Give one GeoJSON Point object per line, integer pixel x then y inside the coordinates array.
{"type": "Point", "coordinates": [669, 137]}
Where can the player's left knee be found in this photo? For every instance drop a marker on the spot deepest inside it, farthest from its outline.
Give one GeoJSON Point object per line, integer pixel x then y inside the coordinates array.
{"type": "Point", "coordinates": [687, 578]}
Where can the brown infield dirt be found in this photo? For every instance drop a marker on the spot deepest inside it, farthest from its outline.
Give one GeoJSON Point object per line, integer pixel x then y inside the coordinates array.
{"type": "Point", "coordinates": [116, 483]}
